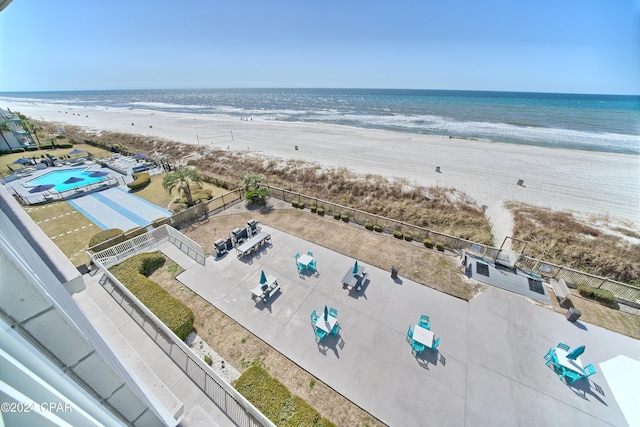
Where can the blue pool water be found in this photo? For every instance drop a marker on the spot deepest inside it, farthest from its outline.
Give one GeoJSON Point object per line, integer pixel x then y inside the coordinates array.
{"type": "Point", "coordinates": [58, 178]}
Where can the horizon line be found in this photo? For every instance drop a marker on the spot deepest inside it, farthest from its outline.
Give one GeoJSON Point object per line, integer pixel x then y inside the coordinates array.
{"type": "Point", "coordinates": [322, 88]}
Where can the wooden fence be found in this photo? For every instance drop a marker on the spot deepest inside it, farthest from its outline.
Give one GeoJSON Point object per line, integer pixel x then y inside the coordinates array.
{"type": "Point", "coordinates": [624, 293]}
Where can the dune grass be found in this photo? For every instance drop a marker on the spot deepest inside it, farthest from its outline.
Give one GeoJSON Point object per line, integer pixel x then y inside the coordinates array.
{"type": "Point", "coordinates": [561, 238]}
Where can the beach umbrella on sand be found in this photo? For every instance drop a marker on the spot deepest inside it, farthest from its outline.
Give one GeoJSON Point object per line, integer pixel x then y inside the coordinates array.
{"type": "Point", "coordinates": [355, 268]}
{"type": "Point", "coordinates": [263, 278]}
{"type": "Point", "coordinates": [140, 156]}
{"type": "Point", "coordinates": [76, 151]}
{"type": "Point", "coordinates": [98, 174]}
{"type": "Point", "coordinates": [41, 188]}
{"type": "Point", "coordinates": [326, 313]}
{"type": "Point", "coordinates": [576, 352]}
{"type": "Point", "coordinates": [22, 161]}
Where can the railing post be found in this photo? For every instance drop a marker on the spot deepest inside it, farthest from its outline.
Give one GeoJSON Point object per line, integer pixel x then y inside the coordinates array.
{"type": "Point", "coordinates": [558, 272]}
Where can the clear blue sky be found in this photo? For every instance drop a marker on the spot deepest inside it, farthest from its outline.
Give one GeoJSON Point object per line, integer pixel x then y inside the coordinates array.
{"type": "Point", "coordinates": [574, 46]}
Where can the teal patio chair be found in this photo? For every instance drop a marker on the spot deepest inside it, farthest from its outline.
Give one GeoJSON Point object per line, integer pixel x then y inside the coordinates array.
{"type": "Point", "coordinates": [550, 357]}
{"type": "Point", "coordinates": [570, 377]}
{"type": "Point", "coordinates": [424, 321]}
{"type": "Point", "coordinates": [409, 335]}
{"type": "Point", "coordinates": [320, 335]}
{"type": "Point", "coordinates": [314, 317]}
{"type": "Point", "coordinates": [312, 264]}
{"type": "Point", "coordinates": [333, 312]}
{"type": "Point", "coordinates": [589, 370]}
{"type": "Point", "coordinates": [300, 267]}
{"type": "Point", "coordinates": [336, 329]}
{"type": "Point", "coordinates": [310, 254]}
{"type": "Point", "coordinates": [435, 345]}
{"type": "Point", "coordinates": [297, 255]}
{"type": "Point", "coordinates": [417, 348]}
{"type": "Point", "coordinates": [563, 346]}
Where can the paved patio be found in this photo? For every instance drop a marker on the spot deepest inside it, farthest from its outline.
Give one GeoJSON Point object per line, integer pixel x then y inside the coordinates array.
{"type": "Point", "coordinates": [488, 370]}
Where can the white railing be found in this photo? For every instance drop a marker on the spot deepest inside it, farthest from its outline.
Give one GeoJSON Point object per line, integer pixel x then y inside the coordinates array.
{"type": "Point", "coordinates": [147, 242]}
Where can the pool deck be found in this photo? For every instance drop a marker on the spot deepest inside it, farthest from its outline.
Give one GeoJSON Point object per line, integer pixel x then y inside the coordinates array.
{"type": "Point", "coordinates": [20, 184]}
{"type": "Point", "coordinates": [117, 208]}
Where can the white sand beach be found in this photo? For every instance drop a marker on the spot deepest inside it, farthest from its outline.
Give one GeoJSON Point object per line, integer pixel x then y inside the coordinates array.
{"type": "Point", "coordinates": [605, 185]}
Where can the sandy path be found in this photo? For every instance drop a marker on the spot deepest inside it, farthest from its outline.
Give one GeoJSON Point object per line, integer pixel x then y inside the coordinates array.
{"type": "Point", "coordinates": [606, 185]}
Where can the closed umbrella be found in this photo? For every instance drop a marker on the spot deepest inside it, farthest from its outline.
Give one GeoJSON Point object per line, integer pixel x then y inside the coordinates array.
{"type": "Point", "coordinates": [355, 268]}
{"type": "Point", "coordinates": [326, 313]}
{"type": "Point", "coordinates": [263, 278]}
{"type": "Point", "coordinates": [576, 352]}
{"type": "Point", "coordinates": [41, 188]}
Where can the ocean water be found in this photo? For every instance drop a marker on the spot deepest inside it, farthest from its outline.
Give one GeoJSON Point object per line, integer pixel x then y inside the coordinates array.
{"type": "Point", "coordinates": [607, 123]}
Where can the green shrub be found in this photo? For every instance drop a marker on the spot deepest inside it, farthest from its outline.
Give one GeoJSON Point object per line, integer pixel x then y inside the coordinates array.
{"type": "Point", "coordinates": [141, 180]}
{"type": "Point", "coordinates": [336, 215]}
{"type": "Point", "coordinates": [344, 217]}
{"type": "Point", "coordinates": [321, 211]}
{"type": "Point", "coordinates": [171, 311]}
{"type": "Point", "coordinates": [427, 243]}
{"type": "Point", "coordinates": [294, 203]}
{"type": "Point", "coordinates": [179, 207]}
{"type": "Point", "coordinates": [276, 402]}
{"type": "Point", "coordinates": [46, 146]}
{"type": "Point", "coordinates": [32, 148]}
{"type": "Point", "coordinates": [398, 234]}
{"type": "Point", "coordinates": [207, 360]}
{"type": "Point", "coordinates": [17, 150]}
{"type": "Point", "coordinates": [377, 228]}
{"type": "Point", "coordinates": [601, 295]}
{"type": "Point", "coordinates": [368, 226]}
{"type": "Point", "coordinates": [200, 196]}
{"type": "Point", "coordinates": [408, 237]}
{"type": "Point", "coordinates": [313, 208]}
{"type": "Point", "coordinates": [301, 205]}
{"type": "Point", "coordinates": [64, 145]}
{"type": "Point", "coordinates": [440, 247]}
{"type": "Point", "coordinates": [105, 235]}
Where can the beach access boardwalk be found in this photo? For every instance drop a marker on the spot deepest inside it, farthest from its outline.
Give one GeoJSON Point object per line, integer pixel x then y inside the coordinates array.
{"type": "Point", "coordinates": [488, 370]}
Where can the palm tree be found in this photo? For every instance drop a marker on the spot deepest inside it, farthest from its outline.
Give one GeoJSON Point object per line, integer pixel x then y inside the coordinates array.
{"type": "Point", "coordinates": [255, 192]}
{"type": "Point", "coordinates": [182, 178]}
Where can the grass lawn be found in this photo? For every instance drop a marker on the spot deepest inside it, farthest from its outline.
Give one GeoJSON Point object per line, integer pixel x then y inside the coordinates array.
{"type": "Point", "coordinates": [66, 227]}
{"type": "Point", "coordinates": [156, 194]}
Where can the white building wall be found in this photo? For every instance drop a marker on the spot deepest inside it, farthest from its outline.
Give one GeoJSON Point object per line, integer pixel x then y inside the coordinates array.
{"type": "Point", "coordinates": [36, 280]}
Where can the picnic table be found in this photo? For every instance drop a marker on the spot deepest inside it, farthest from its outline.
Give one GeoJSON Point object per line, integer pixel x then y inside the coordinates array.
{"type": "Point", "coordinates": [249, 245]}
{"type": "Point", "coordinates": [353, 280]}
{"type": "Point", "coordinates": [265, 291]}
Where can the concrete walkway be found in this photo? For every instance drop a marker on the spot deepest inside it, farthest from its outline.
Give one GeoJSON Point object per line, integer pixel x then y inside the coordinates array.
{"type": "Point", "coordinates": [146, 360]}
{"type": "Point", "coordinates": [488, 370]}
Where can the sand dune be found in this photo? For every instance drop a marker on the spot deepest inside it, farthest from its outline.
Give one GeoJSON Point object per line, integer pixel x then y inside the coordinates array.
{"type": "Point", "coordinates": [606, 185]}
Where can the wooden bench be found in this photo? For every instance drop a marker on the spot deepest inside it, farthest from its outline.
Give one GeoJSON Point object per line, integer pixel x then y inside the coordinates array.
{"type": "Point", "coordinates": [561, 290]}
